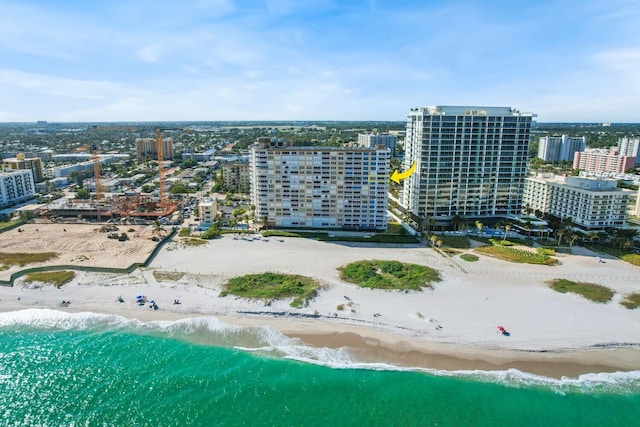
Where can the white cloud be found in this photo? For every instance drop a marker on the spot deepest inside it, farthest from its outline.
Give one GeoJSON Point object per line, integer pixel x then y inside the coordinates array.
{"type": "Point", "coordinates": [151, 53]}
{"type": "Point", "coordinates": [626, 59]}
{"type": "Point", "coordinates": [70, 88]}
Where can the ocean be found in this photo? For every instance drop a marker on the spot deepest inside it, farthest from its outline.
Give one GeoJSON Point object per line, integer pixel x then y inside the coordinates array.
{"type": "Point", "coordinates": [88, 369]}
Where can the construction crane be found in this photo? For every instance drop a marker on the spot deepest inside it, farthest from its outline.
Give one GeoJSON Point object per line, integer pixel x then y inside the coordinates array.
{"type": "Point", "coordinates": [96, 172]}
{"type": "Point", "coordinates": [160, 150]}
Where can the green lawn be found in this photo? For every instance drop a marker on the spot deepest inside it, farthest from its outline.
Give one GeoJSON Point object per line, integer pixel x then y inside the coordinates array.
{"type": "Point", "coordinates": [8, 224]}
{"type": "Point", "coordinates": [516, 255]}
{"type": "Point", "coordinates": [457, 242]}
{"type": "Point", "coordinates": [270, 286]}
{"type": "Point", "coordinates": [469, 257]}
{"type": "Point", "coordinates": [590, 291]}
{"type": "Point", "coordinates": [389, 275]}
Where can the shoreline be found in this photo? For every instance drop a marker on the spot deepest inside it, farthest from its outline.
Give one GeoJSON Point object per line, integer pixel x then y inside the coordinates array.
{"type": "Point", "coordinates": [374, 345]}
{"type": "Point", "coordinates": [450, 327]}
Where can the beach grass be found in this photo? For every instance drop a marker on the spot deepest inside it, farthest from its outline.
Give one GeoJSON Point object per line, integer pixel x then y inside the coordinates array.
{"type": "Point", "coordinates": [272, 286]}
{"type": "Point", "coordinates": [20, 259]}
{"type": "Point", "coordinates": [516, 255]}
{"type": "Point", "coordinates": [449, 252]}
{"type": "Point", "coordinates": [184, 232]}
{"type": "Point", "coordinates": [56, 278]}
{"type": "Point", "coordinates": [624, 255]}
{"type": "Point", "coordinates": [279, 233]}
{"type": "Point", "coordinates": [631, 301]}
{"type": "Point", "coordinates": [378, 274]}
{"type": "Point", "coordinates": [168, 276]}
{"type": "Point", "coordinates": [591, 291]}
{"type": "Point", "coordinates": [469, 257]}
{"type": "Point", "coordinates": [194, 242]}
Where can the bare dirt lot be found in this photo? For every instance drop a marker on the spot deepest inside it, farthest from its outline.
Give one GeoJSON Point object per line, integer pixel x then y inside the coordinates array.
{"type": "Point", "coordinates": [78, 244]}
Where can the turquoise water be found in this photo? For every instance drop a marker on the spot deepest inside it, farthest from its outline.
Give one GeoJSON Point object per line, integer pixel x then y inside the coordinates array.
{"type": "Point", "coordinates": [87, 369]}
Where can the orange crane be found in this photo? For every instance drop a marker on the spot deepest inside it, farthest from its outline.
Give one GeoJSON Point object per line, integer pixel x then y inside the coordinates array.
{"type": "Point", "coordinates": [96, 172]}
{"type": "Point", "coordinates": [160, 150]}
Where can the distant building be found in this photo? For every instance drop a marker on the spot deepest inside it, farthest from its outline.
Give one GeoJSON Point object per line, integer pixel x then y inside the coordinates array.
{"type": "Point", "coordinates": [82, 167]}
{"type": "Point", "coordinates": [560, 148]}
{"type": "Point", "coordinates": [20, 162]}
{"type": "Point", "coordinates": [237, 176]}
{"type": "Point", "coordinates": [16, 186]}
{"type": "Point", "coordinates": [600, 160]}
{"type": "Point", "coordinates": [319, 187]}
{"type": "Point", "coordinates": [372, 140]}
{"type": "Point", "coordinates": [469, 161]}
{"type": "Point", "coordinates": [629, 147]}
{"type": "Point", "coordinates": [590, 203]}
{"type": "Point", "coordinates": [147, 148]}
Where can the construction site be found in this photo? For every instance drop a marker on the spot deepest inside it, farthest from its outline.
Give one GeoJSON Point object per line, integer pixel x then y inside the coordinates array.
{"type": "Point", "coordinates": [131, 207]}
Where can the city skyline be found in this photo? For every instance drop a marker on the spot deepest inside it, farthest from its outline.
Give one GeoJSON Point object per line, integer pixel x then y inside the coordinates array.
{"type": "Point", "coordinates": [210, 60]}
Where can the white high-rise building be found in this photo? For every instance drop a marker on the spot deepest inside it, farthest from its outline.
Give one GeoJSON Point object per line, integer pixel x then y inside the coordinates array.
{"type": "Point", "coordinates": [469, 161]}
{"type": "Point", "coordinates": [560, 148]}
{"type": "Point", "coordinates": [319, 187]}
{"type": "Point", "coordinates": [629, 147]}
{"type": "Point", "coordinates": [16, 186]}
{"type": "Point", "coordinates": [372, 140]}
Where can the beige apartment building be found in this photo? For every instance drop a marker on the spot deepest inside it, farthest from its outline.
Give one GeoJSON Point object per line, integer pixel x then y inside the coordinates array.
{"type": "Point", "coordinates": [319, 187]}
{"type": "Point", "coordinates": [236, 177]}
{"type": "Point", "coordinates": [147, 148]}
{"type": "Point", "coordinates": [20, 162]}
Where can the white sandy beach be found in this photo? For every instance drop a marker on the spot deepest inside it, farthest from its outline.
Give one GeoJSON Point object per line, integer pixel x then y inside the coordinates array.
{"type": "Point", "coordinates": [453, 326]}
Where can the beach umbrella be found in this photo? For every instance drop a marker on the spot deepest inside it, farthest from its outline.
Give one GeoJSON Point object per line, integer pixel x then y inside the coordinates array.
{"type": "Point", "coordinates": [501, 329]}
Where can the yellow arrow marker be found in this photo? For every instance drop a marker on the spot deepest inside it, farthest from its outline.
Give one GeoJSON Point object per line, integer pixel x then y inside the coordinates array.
{"type": "Point", "coordinates": [397, 176]}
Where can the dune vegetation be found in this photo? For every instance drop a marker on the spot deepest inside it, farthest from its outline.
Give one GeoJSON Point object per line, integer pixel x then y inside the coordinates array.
{"type": "Point", "coordinates": [389, 275]}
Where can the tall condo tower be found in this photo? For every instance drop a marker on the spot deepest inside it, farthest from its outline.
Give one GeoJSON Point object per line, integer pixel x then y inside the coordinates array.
{"type": "Point", "coordinates": [470, 161]}
{"type": "Point", "coordinates": [319, 187]}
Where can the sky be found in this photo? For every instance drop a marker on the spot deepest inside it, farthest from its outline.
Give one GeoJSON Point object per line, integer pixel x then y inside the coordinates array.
{"type": "Point", "coordinates": [209, 60]}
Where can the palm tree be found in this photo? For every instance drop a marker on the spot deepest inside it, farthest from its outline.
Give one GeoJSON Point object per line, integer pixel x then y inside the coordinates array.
{"type": "Point", "coordinates": [464, 225]}
{"type": "Point", "coordinates": [479, 225]}
{"type": "Point", "coordinates": [559, 234]}
{"type": "Point", "coordinates": [432, 223]}
{"type": "Point", "coordinates": [456, 221]}
{"type": "Point", "coordinates": [433, 239]}
{"type": "Point", "coordinates": [157, 228]}
{"type": "Point", "coordinates": [439, 243]}
{"type": "Point", "coordinates": [573, 239]}
{"type": "Point", "coordinates": [507, 228]}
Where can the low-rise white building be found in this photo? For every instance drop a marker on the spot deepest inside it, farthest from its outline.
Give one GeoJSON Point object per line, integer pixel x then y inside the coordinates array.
{"type": "Point", "coordinates": [590, 203]}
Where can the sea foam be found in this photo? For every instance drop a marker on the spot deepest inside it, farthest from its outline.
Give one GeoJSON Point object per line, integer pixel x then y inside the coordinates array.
{"type": "Point", "coordinates": [270, 342]}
